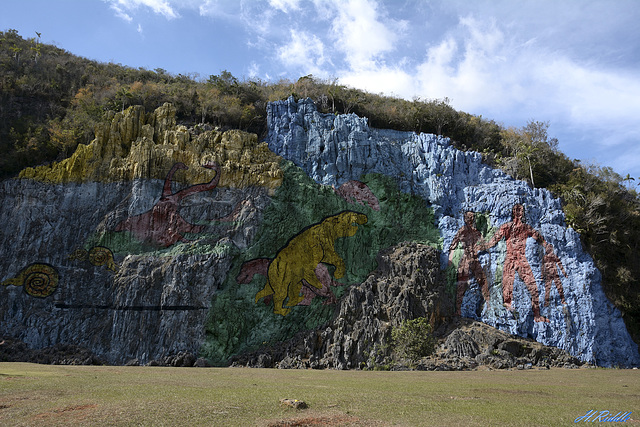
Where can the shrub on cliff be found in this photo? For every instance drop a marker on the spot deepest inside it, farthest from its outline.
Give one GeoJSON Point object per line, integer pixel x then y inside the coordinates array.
{"type": "Point", "coordinates": [413, 339]}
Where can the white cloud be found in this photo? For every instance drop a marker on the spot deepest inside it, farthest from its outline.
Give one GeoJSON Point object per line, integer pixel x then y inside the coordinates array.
{"type": "Point", "coordinates": [434, 76]}
{"type": "Point", "coordinates": [385, 80]}
{"type": "Point", "coordinates": [120, 13]}
{"type": "Point", "coordinates": [304, 52]}
{"type": "Point", "coordinates": [254, 69]}
{"type": "Point", "coordinates": [251, 17]}
{"type": "Point", "coordinates": [361, 33]}
{"type": "Point", "coordinates": [161, 7]}
{"type": "Point", "coordinates": [476, 66]}
{"type": "Point", "coordinates": [220, 8]}
{"type": "Point", "coordinates": [285, 5]}
{"type": "Point", "coordinates": [593, 96]}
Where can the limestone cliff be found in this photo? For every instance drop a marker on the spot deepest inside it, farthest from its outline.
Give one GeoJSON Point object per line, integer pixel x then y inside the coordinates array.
{"type": "Point", "coordinates": [156, 239]}
{"type": "Point", "coordinates": [406, 285]}
{"type": "Point", "coordinates": [555, 298]}
{"type": "Point", "coordinates": [134, 145]}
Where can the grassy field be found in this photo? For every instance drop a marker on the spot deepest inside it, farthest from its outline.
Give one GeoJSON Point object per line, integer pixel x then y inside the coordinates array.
{"type": "Point", "coordinates": [113, 395]}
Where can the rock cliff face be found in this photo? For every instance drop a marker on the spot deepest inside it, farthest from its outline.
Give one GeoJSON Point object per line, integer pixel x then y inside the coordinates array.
{"type": "Point", "coordinates": [134, 145]}
{"type": "Point", "coordinates": [128, 292]}
{"type": "Point", "coordinates": [555, 297]}
{"type": "Point", "coordinates": [155, 240]}
{"type": "Point", "coordinates": [406, 285]}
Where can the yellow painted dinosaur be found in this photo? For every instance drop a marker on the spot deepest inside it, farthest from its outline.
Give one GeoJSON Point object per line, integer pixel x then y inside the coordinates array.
{"type": "Point", "coordinates": [298, 259]}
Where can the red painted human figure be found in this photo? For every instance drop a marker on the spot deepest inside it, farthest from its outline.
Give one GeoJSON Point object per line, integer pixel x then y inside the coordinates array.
{"type": "Point", "coordinates": [550, 265]}
{"type": "Point", "coordinates": [472, 241]}
{"type": "Point", "coordinates": [516, 234]}
{"type": "Point", "coordinates": [163, 225]}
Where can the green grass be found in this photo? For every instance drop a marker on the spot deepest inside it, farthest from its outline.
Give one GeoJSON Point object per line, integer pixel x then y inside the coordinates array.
{"type": "Point", "coordinates": [112, 395]}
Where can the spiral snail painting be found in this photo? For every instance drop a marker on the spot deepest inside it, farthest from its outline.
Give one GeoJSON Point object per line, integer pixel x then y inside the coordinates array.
{"type": "Point", "coordinates": [79, 254]}
{"type": "Point", "coordinates": [98, 255]}
{"type": "Point", "coordinates": [38, 280]}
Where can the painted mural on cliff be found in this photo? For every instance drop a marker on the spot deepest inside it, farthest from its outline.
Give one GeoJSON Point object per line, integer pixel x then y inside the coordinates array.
{"type": "Point", "coordinates": [274, 235]}
{"type": "Point", "coordinates": [270, 252]}
{"type": "Point", "coordinates": [312, 244]}
{"type": "Point", "coordinates": [468, 266]}
{"type": "Point", "coordinates": [501, 273]}
{"type": "Point", "coordinates": [110, 272]}
{"type": "Point", "coordinates": [163, 225]}
{"type": "Point", "coordinates": [38, 280]}
{"type": "Point", "coordinates": [514, 234]}
{"type": "Point", "coordinates": [296, 264]}
{"type": "Point", "coordinates": [97, 256]}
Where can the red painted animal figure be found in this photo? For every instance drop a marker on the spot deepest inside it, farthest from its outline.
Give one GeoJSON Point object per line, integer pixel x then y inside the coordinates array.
{"type": "Point", "coordinates": [251, 268]}
{"type": "Point", "coordinates": [358, 192]}
{"type": "Point", "coordinates": [261, 266]}
{"type": "Point", "coordinates": [163, 225]}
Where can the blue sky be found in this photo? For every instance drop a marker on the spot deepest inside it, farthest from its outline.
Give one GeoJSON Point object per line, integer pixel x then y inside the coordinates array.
{"type": "Point", "coordinates": [573, 63]}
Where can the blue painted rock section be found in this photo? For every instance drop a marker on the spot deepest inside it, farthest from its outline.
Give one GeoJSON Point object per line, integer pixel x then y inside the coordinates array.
{"type": "Point", "coordinates": [334, 149]}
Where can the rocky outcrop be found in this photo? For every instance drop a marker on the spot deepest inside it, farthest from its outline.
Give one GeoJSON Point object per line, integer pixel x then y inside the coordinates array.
{"type": "Point", "coordinates": [544, 252]}
{"type": "Point", "coordinates": [12, 350]}
{"type": "Point", "coordinates": [406, 285]}
{"type": "Point", "coordinates": [468, 344]}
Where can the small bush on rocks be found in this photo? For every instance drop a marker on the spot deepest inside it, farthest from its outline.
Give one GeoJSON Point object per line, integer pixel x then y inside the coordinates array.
{"type": "Point", "coordinates": [413, 339]}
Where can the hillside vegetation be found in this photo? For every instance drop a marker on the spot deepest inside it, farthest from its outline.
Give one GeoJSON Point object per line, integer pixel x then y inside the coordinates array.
{"type": "Point", "coordinates": [51, 101]}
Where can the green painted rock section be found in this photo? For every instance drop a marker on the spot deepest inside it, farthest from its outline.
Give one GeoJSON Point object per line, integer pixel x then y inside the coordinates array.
{"type": "Point", "coordinates": [237, 324]}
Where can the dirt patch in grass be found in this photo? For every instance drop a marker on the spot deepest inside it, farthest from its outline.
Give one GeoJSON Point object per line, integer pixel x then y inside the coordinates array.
{"type": "Point", "coordinates": [77, 413]}
{"type": "Point", "coordinates": [332, 420]}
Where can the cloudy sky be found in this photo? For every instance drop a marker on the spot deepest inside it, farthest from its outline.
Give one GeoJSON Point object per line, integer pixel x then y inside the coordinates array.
{"type": "Point", "coordinates": [573, 63]}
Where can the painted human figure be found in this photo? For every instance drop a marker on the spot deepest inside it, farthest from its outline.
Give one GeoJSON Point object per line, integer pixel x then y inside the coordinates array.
{"type": "Point", "coordinates": [472, 241]}
{"type": "Point", "coordinates": [550, 265]}
{"type": "Point", "coordinates": [516, 234]}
